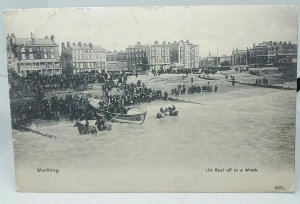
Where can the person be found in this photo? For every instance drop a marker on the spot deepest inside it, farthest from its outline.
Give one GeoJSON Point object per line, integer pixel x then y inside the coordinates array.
{"type": "Point", "coordinates": [192, 79]}
{"type": "Point", "coordinates": [162, 110]}
{"type": "Point", "coordinates": [86, 124]}
{"type": "Point", "coordinates": [173, 107]}
{"type": "Point", "coordinates": [100, 123]}
{"type": "Point", "coordinates": [166, 96]}
{"type": "Point", "coordinates": [216, 88]}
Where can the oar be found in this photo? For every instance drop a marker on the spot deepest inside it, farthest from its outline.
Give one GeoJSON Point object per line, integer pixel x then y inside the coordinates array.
{"type": "Point", "coordinates": [38, 132]}
{"type": "Point", "coordinates": [114, 117]}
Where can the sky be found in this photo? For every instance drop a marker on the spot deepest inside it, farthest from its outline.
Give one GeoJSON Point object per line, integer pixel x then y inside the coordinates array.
{"type": "Point", "coordinates": [213, 28]}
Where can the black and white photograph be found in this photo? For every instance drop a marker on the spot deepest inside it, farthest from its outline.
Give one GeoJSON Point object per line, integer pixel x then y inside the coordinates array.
{"type": "Point", "coordinates": [153, 99]}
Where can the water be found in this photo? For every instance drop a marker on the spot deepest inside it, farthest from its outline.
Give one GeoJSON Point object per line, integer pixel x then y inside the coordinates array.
{"type": "Point", "coordinates": [244, 127]}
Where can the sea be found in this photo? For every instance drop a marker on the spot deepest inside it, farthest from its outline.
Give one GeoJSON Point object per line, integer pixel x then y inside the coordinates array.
{"type": "Point", "coordinates": [241, 128]}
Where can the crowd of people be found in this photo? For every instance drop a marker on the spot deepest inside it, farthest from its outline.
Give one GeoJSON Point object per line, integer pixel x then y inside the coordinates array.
{"type": "Point", "coordinates": [263, 81]}
{"type": "Point", "coordinates": [131, 94]}
{"type": "Point", "coordinates": [29, 99]}
{"type": "Point", "coordinates": [34, 83]}
{"type": "Point", "coordinates": [182, 89]}
{"type": "Point", "coordinates": [74, 107]}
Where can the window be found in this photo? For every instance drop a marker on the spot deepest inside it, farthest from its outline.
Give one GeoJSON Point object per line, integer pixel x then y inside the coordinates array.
{"type": "Point", "coordinates": [30, 56]}
{"type": "Point", "coordinates": [52, 56]}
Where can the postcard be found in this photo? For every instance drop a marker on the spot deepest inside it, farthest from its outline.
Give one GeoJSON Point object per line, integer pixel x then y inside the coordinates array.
{"type": "Point", "coordinates": [153, 99]}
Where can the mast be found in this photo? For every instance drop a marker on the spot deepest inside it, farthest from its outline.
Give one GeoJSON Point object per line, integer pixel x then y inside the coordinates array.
{"type": "Point", "coordinates": [217, 56]}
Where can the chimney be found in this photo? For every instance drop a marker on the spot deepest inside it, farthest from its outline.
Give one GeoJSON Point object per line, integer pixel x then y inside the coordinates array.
{"type": "Point", "coordinates": [46, 37]}
{"type": "Point", "coordinates": [63, 45]}
{"type": "Point", "coordinates": [13, 38]}
{"type": "Point", "coordinates": [187, 41]}
{"type": "Point", "coordinates": [84, 44]}
{"type": "Point", "coordinates": [253, 45]}
{"type": "Point", "coordinates": [91, 45]}
{"type": "Point", "coordinates": [32, 37]}
{"type": "Point", "coordinates": [68, 44]}
{"type": "Point", "coordinates": [79, 44]}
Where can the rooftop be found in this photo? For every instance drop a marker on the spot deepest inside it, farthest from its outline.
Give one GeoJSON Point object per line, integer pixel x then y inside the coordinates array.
{"type": "Point", "coordinates": [35, 41]}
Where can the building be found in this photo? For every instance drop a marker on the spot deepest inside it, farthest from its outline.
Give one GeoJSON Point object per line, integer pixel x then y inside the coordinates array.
{"type": "Point", "coordinates": [273, 53]}
{"type": "Point", "coordinates": [287, 53]}
{"type": "Point", "coordinates": [116, 61]}
{"type": "Point", "coordinates": [185, 53]}
{"type": "Point", "coordinates": [28, 55]}
{"type": "Point", "coordinates": [240, 57]}
{"type": "Point", "coordinates": [211, 61]}
{"type": "Point", "coordinates": [12, 63]}
{"type": "Point", "coordinates": [263, 54]}
{"type": "Point", "coordinates": [215, 61]}
{"type": "Point", "coordinates": [82, 57]}
{"type": "Point", "coordinates": [145, 57]}
{"type": "Point", "coordinates": [138, 57]}
{"type": "Point", "coordinates": [159, 55]}
{"type": "Point", "coordinates": [116, 56]}
{"type": "Point", "coordinates": [224, 61]}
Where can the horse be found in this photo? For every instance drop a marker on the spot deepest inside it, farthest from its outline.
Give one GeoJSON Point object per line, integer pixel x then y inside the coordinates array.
{"type": "Point", "coordinates": [174, 113]}
{"type": "Point", "coordinates": [83, 130]}
{"type": "Point", "coordinates": [159, 115]}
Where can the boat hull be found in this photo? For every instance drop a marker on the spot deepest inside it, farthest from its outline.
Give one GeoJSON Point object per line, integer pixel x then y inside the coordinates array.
{"type": "Point", "coordinates": [138, 118]}
{"type": "Point", "coordinates": [133, 116]}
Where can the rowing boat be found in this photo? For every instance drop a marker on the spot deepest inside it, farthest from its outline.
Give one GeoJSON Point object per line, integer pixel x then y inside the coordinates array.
{"type": "Point", "coordinates": [133, 116]}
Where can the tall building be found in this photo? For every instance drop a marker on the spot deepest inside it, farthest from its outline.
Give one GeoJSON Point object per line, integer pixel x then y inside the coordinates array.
{"type": "Point", "coordinates": [159, 55]}
{"type": "Point", "coordinates": [33, 55]}
{"type": "Point", "coordinates": [137, 57]}
{"type": "Point", "coordinates": [150, 56]}
{"type": "Point", "coordinates": [82, 57]}
{"type": "Point", "coordinates": [185, 53]}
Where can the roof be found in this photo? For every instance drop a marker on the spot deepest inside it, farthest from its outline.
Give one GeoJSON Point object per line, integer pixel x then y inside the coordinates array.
{"type": "Point", "coordinates": [36, 41]}
{"type": "Point", "coordinates": [87, 47]}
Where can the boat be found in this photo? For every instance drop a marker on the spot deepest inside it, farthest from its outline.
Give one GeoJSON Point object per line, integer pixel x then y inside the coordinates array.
{"type": "Point", "coordinates": [133, 116]}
